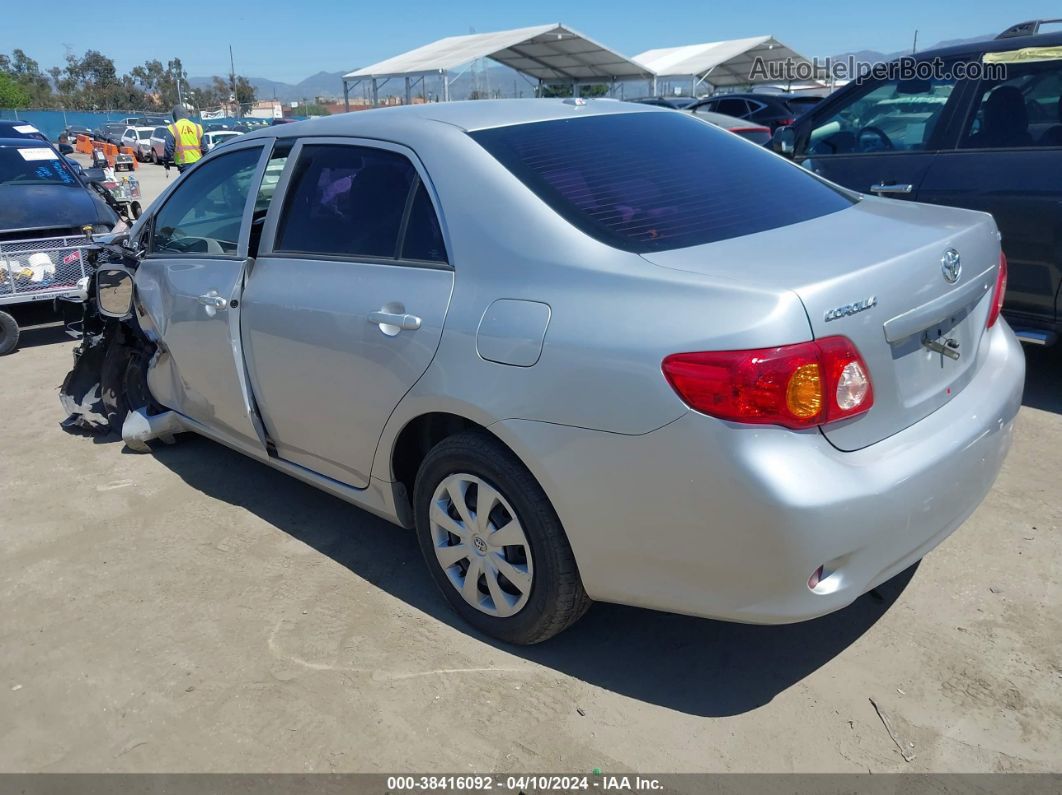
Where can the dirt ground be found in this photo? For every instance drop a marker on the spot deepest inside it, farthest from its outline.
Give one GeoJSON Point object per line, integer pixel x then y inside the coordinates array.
{"type": "Point", "coordinates": [191, 610]}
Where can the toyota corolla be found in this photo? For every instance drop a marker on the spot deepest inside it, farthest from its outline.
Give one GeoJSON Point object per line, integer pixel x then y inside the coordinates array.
{"type": "Point", "coordinates": [587, 350]}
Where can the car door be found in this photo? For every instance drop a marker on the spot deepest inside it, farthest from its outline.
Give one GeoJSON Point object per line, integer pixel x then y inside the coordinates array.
{"type": "Point", "coordinates": [344, 307]}
{"type": "Point", "coordinates": [189, 282]}
{"type": "Point", "coordinates": [879, 137]}
{"type": "Point", "coordinates": [1009, 162]}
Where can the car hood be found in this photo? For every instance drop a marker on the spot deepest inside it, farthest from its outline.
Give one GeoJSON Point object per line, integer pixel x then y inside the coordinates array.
{"type": "Point", "coordinates": [45, 207]}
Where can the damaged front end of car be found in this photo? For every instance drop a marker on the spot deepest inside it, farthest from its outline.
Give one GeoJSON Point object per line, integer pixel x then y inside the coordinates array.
{"type": "Point", "coordinates": [108, 381]}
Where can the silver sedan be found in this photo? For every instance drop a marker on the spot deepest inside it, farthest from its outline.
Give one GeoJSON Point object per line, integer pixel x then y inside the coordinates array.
{"type": "Point", "coordinates": [588, 350]}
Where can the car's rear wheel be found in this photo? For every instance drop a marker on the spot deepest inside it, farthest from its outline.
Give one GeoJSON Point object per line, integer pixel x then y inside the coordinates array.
{"type": "Point", "coordinates": [493, 542]}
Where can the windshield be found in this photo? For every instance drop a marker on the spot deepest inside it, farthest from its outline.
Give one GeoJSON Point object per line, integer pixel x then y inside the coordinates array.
{"type": "Point", "coordinates": [34, 166]}
{"type": "Point", "coordinates": [143, 134]}
{"type": "Point", "coordinates": [657, 181]}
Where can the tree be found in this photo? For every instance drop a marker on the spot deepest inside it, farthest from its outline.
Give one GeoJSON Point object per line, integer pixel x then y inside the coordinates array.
{"type": "Point", "coordinates": [26, 74]}
{"type": "Point", "coordinates": [12, 95]}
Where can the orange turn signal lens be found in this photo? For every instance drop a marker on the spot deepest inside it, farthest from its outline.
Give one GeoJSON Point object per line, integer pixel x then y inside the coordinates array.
{"type": "Point", "coordinates": [803, 395]}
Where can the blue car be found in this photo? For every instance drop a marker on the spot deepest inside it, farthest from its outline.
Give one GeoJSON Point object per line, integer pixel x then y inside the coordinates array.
{"type": "Point", "coordinates": [20, 129]}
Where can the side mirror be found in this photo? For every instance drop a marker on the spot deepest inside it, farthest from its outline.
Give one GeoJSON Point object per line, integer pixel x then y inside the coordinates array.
{"type": "Point", "coordinates": [114, 291]}
{"type": "Point", "coordinates": [66, 149]}
{"type": "Point", "coordinates": [784, 141]}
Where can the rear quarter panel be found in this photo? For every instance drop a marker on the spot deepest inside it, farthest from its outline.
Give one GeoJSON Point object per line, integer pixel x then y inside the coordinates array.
{"type": "Point", "coordinates": [613, 316]}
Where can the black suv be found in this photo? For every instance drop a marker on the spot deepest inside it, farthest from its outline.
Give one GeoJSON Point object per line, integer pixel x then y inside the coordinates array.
{"type": "Point", "coordinates": [987, 144]}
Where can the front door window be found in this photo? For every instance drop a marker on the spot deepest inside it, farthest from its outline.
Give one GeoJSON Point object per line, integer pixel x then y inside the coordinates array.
{"type": "Point", "coordinates": [897, 115]}
{"type": "Point", "coordinates": [204, 214]}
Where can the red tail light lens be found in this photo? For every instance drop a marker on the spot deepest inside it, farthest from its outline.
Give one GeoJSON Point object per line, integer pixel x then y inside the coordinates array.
{"type": "Point", "coordinates": [999, 293]}
{"type": "Point", "coordinates": [796, 386]}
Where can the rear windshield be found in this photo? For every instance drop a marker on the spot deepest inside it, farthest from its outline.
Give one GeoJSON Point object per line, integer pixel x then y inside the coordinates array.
{"type": "Point", "coordinates": [657, 181]}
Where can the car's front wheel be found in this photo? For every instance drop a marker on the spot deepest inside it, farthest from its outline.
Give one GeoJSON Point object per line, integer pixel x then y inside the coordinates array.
{"type": "Point", "coordinates": [493, 542]}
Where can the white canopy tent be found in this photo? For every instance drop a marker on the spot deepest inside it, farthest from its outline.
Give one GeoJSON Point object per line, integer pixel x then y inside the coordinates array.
{"type": "Point", "coordinates": [721, 64]}
{"type": "Point", "coordinates": [546, 53]}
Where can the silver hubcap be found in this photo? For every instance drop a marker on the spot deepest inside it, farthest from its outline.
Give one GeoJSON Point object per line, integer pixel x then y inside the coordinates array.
{"type": "Point", "coordinates": [481, 545]}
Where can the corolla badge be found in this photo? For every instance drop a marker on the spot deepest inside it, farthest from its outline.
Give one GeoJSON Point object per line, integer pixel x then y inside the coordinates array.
{"type": "Point", "coordinates": [951, 266]}
{"type": "Point", "coordinates": [851, 309]}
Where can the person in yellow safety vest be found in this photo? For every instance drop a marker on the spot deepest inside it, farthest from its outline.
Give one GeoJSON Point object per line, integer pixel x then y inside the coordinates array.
{"type": "Point", "coordinates": [185, 145]}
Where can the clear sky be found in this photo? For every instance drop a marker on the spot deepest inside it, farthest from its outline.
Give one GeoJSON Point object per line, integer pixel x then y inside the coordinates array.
{"type": "Point", "coordinates": [288, 40]}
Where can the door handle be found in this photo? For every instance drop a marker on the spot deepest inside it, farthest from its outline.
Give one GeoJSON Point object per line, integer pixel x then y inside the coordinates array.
{"type": "Point", "coordinates": [213, 300]}
{"type": "Point", "coordinates": [881, 188]}
{"type": "Point", "coordinates": [392, 322]}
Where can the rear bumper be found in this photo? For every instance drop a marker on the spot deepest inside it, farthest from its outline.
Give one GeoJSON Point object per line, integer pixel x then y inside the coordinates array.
{"type": "Point", "coordinates": [714, 519]}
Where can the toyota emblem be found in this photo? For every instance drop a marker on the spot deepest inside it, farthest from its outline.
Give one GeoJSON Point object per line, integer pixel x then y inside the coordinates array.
{"type": "Point", "coordinates": [951, 266]}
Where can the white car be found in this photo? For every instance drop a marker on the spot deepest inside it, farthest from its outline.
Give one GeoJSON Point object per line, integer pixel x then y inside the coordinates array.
{"type": "Point", "coordinates": [139, 140]}
{"type": "Point", "coordinates": [212, 140]}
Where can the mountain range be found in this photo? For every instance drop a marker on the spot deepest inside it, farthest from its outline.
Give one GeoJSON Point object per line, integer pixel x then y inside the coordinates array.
{"type": "Point", "coordinates": [492, 79]}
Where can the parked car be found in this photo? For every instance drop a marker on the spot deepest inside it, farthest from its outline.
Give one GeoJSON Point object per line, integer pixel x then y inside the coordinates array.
{"type": "Point", "coordinates": [216, 138]}
{"type": "Point", "coordinates": [42, 196]}
{"type": "Point", "coordinates": [988, 144]}
{"type": "Point", "coordinates": [770, 110]}
{"type": "Point", "coordinates": [139, 140]}
{"type": "Point", "coordinates": [74, 130]}
{"type": "Point", "coordinates": [676, 103]}
{"type": "Point", "coordinates": [112, 132]}
{"type": "Point", "coordinates": [589, 350]}
{"type": "Point", "coordinates": [756, 133]}
{"type": "Point", "coordinates": [20, 129]}
{"type": "Point", "coordinates": [158, 140]}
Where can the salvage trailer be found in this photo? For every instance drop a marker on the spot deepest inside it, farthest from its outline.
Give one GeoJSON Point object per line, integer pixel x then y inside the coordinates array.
{"type": "Point", "coordinates": [41, 269]}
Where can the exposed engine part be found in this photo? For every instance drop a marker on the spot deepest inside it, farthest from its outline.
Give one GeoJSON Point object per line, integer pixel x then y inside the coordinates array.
{"type": "Point", "coordinates": [109, 376]}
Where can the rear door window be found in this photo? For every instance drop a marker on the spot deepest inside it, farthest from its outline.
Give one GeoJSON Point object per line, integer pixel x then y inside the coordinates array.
{"type": "Point", "coordinates": [346, 201]}
{"type": "Point", "coordinates": [1023, 111]}
{"type": "Point", "coordinates": [654, 181]}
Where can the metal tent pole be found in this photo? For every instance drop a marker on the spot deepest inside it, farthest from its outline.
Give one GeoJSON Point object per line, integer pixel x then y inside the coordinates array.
{"type": "Point", "coordinates": [375, 94]}
{"type": "Point", "coordinates": [409, 96]}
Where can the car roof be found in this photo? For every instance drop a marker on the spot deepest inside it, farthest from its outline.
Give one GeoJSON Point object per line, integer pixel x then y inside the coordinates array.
{"type": "Point", "coordinates": [35, 143]}
{"type": "Point", "coordinates": [468, 116]}
{"type": "Point", "coordinates": [1053, 39]}
{"type": "Point", "coordinates": [723, 120]}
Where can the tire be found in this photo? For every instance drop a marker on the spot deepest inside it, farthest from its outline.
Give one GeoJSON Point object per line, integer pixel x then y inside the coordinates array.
{"type": "Point", "coordinates": [123, 383]}
{"type": "Point", "coordinates": [8, 333]}
{"type": "Point", "coordinates": [553, 598]}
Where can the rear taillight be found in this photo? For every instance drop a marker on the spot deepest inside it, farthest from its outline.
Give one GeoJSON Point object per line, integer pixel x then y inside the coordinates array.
{"type": "Point", "coordinates": [797, 386]}
{"type": "Point", "coordinates": [999, 292]}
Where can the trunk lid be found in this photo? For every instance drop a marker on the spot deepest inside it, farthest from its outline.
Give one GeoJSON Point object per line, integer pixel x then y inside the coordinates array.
{"type": "Point", "coordinates": [875, 273]}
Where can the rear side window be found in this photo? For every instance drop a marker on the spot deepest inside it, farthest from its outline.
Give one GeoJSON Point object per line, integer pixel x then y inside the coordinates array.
{"type": "Point", "coordinates": [732, 107]}
{"type": "Point", "coordinates": [657, 181]}
{"type": "Point", "coordinates": [424, 240]}
{"type": "Point", "coordinates": [346, 201]}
